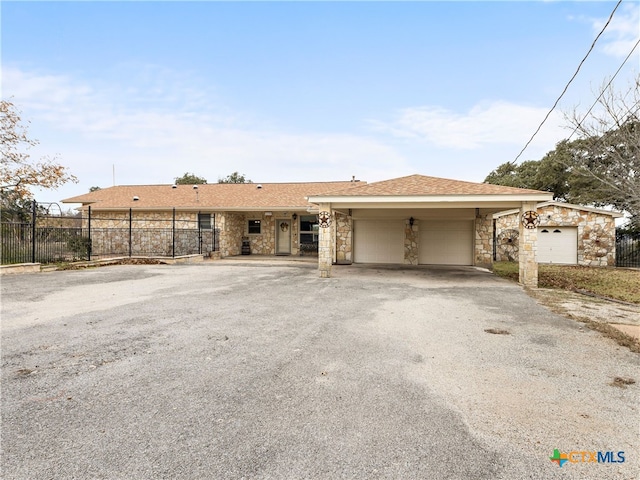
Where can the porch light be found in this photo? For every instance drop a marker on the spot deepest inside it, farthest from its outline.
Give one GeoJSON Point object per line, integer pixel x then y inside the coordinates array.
{"type": "Point", "coordinates": [411, 220]}
{"type": "Point", "coordinates": [294, 216]}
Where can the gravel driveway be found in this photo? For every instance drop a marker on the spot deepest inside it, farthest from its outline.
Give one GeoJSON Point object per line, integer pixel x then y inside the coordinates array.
{"type": "Point", "coordinates": [235, 369]}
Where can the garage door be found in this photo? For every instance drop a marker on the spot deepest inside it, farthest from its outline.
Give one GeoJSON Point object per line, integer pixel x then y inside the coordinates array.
{"type": "Point", "coordinates": [378, 241]}
{"type": "Point", "coordinates": [446, 242]}
{"type": "Point", "coordinates": [558, 245]}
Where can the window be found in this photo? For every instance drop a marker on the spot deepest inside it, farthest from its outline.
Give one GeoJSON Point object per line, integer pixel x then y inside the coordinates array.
{"type": "Point", "coordinates": [254, 227]}
{"type": "Point", "coordinates": [308, 229]}
{"type": "Point", "coordinates": [204, 221]}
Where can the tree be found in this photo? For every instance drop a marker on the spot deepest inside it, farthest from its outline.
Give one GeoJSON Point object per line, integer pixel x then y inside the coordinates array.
{"type": "Point", "coordinates": [606, 155]}
{"type": "Point", "coordinates": [547, 174]}
{"type": "Point", "coordinates": [601, 167]}
{"type": "Point", "coordinates": [190, 179]}
{"type": "Point", "coordinates": [14, 207]}
{"type": "Point", "coordinates": [235, 177]}
{"type": "Point", "coordinates": [17, 171]}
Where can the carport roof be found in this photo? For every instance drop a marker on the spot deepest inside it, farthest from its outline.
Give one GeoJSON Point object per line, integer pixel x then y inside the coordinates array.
{"type": "Point", "coordinates": [421, 185]}
{"type": "Point", "coordinates": [425, 191]}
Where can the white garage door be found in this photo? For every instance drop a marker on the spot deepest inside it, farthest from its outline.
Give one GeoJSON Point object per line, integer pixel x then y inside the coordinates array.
{"type": "Point", "coordinates": [558, 245]}
{"type": "Point", "coordinates": [446, 242]}
{"type": "Point", "coordinates": [378, 241]}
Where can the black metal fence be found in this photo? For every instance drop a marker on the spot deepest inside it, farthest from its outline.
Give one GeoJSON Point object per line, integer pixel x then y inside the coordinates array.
{"type": "Point", "coordinates": [628, 250]}
{"type": "Point", "coordinates": [54, 239]}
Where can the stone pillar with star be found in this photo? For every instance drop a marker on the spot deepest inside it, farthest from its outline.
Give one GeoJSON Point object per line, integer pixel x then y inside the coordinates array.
{"type": "Point", "coordinates": [325, 255]}
{"type": "Point", "coordinates": [528, 241]}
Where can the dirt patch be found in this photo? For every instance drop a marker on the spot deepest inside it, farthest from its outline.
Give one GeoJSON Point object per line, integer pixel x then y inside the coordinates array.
{"type": "Point", "coordinates": [618, 321]}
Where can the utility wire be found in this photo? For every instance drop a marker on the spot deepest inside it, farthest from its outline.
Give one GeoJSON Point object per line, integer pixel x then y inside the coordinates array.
{"type": "Point", "coordinates": [568, 83]}
{"type": "Point", "coordinates": [603, 91]}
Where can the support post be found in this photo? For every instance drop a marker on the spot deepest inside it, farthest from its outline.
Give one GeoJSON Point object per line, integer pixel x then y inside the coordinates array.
{"type": "Point", "coordinates": [528, 245]}
{"type": "Point", "coordinates": [199, 233]}
{"type": "Point", "coordinates": [213, 234]}
{"type": "Point", "coordinates": [130, 232]}
{"type": "Point", "coordinates": [89, 246]}
{"type": "Point", "coordinates": [173, 233]}
{"type": "Point", "coordinates": [325, 256]}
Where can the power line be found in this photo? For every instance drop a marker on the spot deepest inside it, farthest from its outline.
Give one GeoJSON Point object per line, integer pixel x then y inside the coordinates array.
{"type": "Point", "coordinates": [568, 83]}
{"type": "Point", "coordinates": [604, 90]}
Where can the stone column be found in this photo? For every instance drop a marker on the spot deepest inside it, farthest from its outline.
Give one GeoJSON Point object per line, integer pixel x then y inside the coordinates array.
{"type": "Point", "coordinates": [528, 245]}
{"type": "Point", "coordinates": [411, 238]}
{"type": "Point", "coordinates": [325, 255]}
{"type": "Point", "coordinates": [484, 240]}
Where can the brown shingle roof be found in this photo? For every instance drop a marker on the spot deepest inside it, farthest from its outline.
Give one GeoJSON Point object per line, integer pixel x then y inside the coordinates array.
{"type": "Point", "coordinates": [421, 185]}
{"type": "Point", "coordinates": [245, 196]}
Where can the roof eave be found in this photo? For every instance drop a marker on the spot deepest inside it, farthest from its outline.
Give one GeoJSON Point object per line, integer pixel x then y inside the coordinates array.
{"type": "Point", "coordinates": [204, 208]}
{"type": "Point", "coordinates": [408, 199]}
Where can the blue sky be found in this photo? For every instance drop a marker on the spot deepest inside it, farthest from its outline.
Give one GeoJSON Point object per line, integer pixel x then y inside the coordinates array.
{"type": "Point", "coordinates": [302, 91]}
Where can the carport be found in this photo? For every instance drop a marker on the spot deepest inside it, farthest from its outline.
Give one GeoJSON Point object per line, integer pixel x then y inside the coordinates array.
{"type": "Point", "coordinates": [423, 220]}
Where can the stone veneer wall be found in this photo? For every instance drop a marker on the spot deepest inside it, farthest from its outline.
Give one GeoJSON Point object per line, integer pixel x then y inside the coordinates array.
{"type": "Point", "coordinates": [265, 242]}
{"type": "Point", "coordinates": [483, 244]}
{"type": "Point", "coordinates": [141, 219]}
{"type": "Point", "coordinates": [232, 229]}
{"type": "Point", "coordinates": [596, 233]}
{"type": "Point", "coordinates": [152, 233]}
{"type": "Point", "coordinates": [344, 238]}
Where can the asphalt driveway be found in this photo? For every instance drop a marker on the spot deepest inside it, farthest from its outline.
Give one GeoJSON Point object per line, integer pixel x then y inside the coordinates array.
{"type": "Point", "coordinates": [235, 369]}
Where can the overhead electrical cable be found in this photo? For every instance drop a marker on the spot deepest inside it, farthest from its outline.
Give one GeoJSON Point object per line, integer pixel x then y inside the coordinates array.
{"type": "Point", "coordinates": [604, 89]}
{"type": "Point", "coordinates": [568, 83]}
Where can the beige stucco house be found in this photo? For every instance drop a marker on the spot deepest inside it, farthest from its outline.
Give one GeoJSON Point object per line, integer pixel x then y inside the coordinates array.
{"type": "Point", "coordinates": [567, 234]}
{"type": "Point", "coordinates": [410, 220]}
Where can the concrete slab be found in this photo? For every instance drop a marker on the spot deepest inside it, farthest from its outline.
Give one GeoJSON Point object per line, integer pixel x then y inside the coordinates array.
{"type": "Point", "coordinates": [264, 370]}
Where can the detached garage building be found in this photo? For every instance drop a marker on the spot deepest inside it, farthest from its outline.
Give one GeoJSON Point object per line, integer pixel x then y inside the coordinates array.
{"type": "Point", "coordinates": [567, 234]}
{"type": "Point", "coordinates": [420, 220]}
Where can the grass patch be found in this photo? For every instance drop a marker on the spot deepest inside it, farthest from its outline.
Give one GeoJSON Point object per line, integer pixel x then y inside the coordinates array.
{"type": "Point", "coordinates": [616, 283]}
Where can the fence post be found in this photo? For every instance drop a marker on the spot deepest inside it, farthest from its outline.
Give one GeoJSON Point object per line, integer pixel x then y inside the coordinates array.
{"type": "Point", "coordinates": [130, 231]}
{"type": "Point", "coordinates": [199, 235]}
{"type": "Point", "coordinates": [89, 246]}
{"type": "Point", "coordinates": [33, 231]}
{"type": "Point", "coordinates": [213, 234]}
{"type": "Point", "coordinates": [173, 234]}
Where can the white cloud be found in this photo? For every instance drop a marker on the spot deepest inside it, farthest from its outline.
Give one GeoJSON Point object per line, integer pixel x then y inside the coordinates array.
{"type": "Point", "coordinates": [487, 124]}
{"type": "Point", "coordinates": [622, 33]}
{"type": "Point", "coordinates": [162, 125]}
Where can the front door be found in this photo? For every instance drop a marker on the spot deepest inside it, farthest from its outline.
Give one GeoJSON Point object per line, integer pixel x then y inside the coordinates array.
{"type": "Point", "coordinates": [283, 236]}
